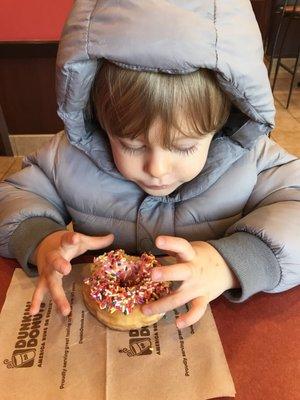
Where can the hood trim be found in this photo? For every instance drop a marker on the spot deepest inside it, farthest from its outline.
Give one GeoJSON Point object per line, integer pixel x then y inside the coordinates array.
{"type": "Point", "coordinates": [91, 26]}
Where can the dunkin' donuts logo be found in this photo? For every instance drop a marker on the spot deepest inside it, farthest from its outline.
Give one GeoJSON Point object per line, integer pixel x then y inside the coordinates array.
{"type": "Point", "coordinates": [24, 351]}
{"type": "Point", "coordinates": [140, 343]}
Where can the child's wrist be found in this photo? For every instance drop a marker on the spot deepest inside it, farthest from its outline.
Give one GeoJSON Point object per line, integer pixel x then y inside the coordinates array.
{"type": "Point", "coordinates": [215, 260]}
{"type": "Point", "coordinates": [50, 242]}
{"type": "Point", "coordinates": [229, 278]}
{"type": "Point", "coordinates": [232, 281]}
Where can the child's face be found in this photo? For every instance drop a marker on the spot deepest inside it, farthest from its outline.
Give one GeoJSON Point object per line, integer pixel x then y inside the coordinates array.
{"type": "Point", "coordinates": [158, 170]}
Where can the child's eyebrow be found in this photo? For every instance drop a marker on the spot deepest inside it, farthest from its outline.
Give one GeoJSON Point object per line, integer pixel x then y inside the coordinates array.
{"type": "Point", "coordinates": [132, 139]}
{"type": "Point", "coordinates": [187, 139]}
{"type": "Point", "coordinates": [181, 139]}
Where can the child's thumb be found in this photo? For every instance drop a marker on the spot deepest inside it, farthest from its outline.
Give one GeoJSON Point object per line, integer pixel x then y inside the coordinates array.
{"type": "Point", "coordinates": [98, 242]}
{"type": "Point", "coordinates": [74, 244]}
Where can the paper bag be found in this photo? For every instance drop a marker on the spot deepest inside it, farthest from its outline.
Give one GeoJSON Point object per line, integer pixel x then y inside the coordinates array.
{"type": "Point", "coordinates": [48, 356]}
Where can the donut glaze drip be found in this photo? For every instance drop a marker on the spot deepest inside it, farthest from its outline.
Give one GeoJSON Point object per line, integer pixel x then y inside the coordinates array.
{"type": "Point", "coordinates": [119, 282]}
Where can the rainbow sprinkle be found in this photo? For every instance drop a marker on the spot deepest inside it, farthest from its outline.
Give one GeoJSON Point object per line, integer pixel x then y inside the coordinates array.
{"type": "Point", "coordinates": [119, 283]}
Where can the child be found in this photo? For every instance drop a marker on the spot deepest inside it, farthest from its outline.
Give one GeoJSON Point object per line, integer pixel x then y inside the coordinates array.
{"type": "Point", "coordinates": [171, 156]}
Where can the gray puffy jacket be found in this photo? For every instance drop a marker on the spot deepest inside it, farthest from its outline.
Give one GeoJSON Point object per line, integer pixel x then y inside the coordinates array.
{"type": "Point", "coordinates": [245, 201]}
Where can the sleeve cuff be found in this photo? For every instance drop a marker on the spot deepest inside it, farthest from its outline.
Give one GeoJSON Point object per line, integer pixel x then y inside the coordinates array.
{"type": "Point", "coordinates": [27, 236]}
{"type": "Point", "coordinates": [252, 261]}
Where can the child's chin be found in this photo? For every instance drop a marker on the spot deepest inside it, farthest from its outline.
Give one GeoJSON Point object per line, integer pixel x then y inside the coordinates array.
{"type": "Point", "coordinates": [160, 192]}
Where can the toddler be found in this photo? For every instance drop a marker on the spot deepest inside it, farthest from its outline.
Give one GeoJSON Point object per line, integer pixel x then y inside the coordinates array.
{"type": "Point", "coordinates": [165, 149]}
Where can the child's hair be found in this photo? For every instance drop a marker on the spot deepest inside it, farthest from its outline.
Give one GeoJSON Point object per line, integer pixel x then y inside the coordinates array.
{"type": "Point", "coordinates": [126, 102]}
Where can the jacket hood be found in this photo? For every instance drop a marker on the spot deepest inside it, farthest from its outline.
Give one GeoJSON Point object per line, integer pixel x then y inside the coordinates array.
{"type": "Point", "coordinates": [174, 36]}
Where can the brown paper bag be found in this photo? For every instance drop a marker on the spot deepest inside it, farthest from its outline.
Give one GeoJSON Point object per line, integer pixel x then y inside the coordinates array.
{"type": "Point", "coordinates": [161, 361]}
{"type": "Point", "coordinates": [48, 356]}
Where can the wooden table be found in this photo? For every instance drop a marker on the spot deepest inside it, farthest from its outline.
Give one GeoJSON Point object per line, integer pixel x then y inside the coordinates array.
{"type": "Point", "coordinates": [9, 165]}
{"type": "Point", "coordinates": [260, 339]}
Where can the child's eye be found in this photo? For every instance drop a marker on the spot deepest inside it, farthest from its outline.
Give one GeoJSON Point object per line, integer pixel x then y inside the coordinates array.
{"type": "Point", "coordinates": [136, 150]}
{"type": "Point", "coordinates": [131, 150]}
{"type": "Point", "coordinates": [187, 151]}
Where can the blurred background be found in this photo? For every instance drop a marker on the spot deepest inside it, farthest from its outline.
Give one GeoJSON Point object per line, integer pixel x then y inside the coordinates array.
{"type": "Point", "coordinates": [29, 35]}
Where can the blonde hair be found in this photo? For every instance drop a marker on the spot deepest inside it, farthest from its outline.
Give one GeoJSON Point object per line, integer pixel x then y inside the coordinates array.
{"type": "Point", "coordinates": [127, 102]}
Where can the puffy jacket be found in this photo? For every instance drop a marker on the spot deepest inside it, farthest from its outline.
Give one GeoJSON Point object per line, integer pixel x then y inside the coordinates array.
{"type": "Point", "coordinates": [245, 201]}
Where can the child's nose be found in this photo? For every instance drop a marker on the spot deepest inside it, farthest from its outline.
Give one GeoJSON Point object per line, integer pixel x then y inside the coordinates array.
{"type": "Point", "coordinates": [158, 165]}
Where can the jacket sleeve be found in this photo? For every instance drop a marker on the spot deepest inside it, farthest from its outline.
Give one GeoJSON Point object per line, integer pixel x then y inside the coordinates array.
{"type": "Point", "coordinates": [30, 207]}
{"type": "Point", "coordinates": [262, 248]}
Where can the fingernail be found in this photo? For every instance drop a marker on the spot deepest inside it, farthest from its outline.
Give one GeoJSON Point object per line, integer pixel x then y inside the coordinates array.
{"type": "Point", "coordinates": [180, 324]}
{"type": "Point", "coordinates": [160, 242]}
{"type": "Point", "coordinates": [66, 271]}
{"type": "Point", "coordinates": [146, 310]}
{"type": "Point", "coordinates": [156, 275]}
{"type": "Point", "coordinates": [65, 312]}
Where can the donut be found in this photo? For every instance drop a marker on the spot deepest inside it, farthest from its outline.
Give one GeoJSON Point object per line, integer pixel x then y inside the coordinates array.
{"type": "Point", "coordinates": [117, 287]}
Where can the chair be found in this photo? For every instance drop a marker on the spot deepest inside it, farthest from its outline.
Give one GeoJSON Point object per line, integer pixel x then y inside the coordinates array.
{"type": "Point", "coordinates": [5, 147]}
{"type": "Point", "coordinates": [289, 12]}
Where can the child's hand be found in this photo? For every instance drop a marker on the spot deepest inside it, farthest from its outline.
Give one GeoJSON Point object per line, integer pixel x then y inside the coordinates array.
{"type": "Point", "coordinates": [52, 257]}
{"type": "Point", "coordinates": [204, 275]}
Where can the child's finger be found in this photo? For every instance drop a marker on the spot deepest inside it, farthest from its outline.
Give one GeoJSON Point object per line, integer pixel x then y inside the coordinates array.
{"type": "Point", "coordinates": [97, 242]}
{"type": "Point", "coordinates": [58, 295]}
{"type": "Point", "coordinates": [179, 247]}
{"type": "Point", "coordinates": [74, 243]}
{"type": "Point", "coordinates": [59, 263]}
{"type": "Point", "coordinates": [38, 296]}
{"type": "Point", "coordinates": [69, 241]}
{"type": "Point", "coordinates": [175, 272]}
{"type": "Point", "coordinates": [165, 304]}
{"type": "Point", "coordinates": [196, 312]}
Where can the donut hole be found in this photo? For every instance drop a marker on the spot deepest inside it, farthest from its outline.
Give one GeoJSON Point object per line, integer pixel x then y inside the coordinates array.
{"type": "Point", "coordinates": [132, 276]}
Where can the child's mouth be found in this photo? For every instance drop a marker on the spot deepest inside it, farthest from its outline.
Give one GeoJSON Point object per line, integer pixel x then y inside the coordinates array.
{"type": "Point", "coordinates": [157, 187]}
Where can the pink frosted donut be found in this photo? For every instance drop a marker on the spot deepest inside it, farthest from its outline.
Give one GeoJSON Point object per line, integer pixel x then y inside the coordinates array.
{"type": "Point", "coordinates": [119, 284]}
